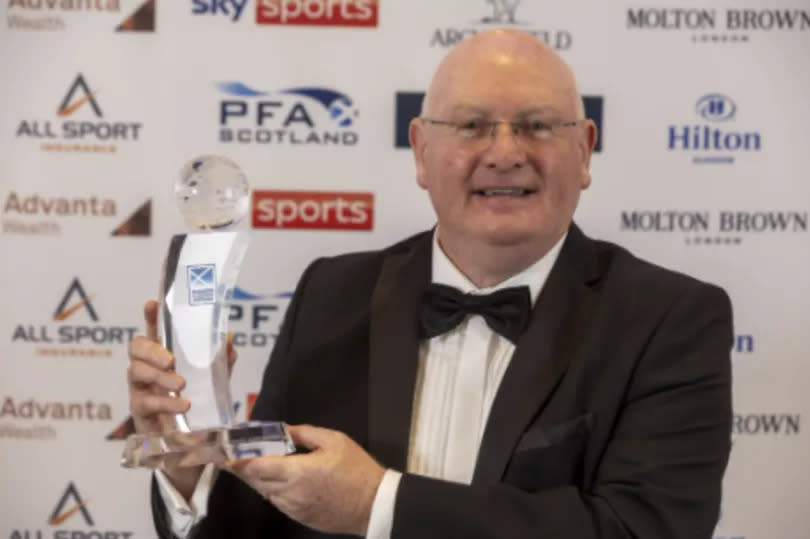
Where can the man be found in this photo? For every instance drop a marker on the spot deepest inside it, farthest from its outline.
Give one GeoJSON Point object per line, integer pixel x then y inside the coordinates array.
{"type": "Point", "coordinates": [604, 413]}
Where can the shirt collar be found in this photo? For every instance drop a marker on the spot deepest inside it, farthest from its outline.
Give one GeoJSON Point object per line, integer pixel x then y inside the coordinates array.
{"type": "Point", "coordinates": [445, 272]}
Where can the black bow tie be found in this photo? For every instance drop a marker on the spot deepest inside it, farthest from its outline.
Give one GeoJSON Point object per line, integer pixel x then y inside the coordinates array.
{"type": "Point", "coordinates": [506, 311]}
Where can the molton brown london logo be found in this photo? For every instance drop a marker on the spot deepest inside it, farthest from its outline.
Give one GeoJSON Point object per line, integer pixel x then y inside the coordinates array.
{"type": "Point", "coordinates": [719, 26]}
{"type": "Point", "coordinates": [84, 127]}
{"type": "Point", "coordinates": [60, 15]}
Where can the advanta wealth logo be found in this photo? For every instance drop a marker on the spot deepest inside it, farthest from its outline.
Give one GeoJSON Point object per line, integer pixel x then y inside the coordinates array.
{"type": "Point", "coordinates": [718, 26]}
{"type": "Point", "coordinates": [498, 14]}
{"type": "Point", "coordinates": [718, 227]}
{"type": "Point", "coordinates": [58, 15]}
{"type": "Point", "coordinates": [72, 509]}
{"type": "Point", "coordinates": [714, 143]}
{"type": "Point", "coordinates": [77, 340]}
{"type": "Point", "coordinates": [91, 133]}
{"type": "Point", "coordinates": [318, 12]}
{"type": "Point", "coordinates": [36, 419]}
{"type": "Point", "coordinates": [293, 116]}
{"type": "Point", "coordinates": [36, 214]}
{"type": "Point", "coordinates": [335, 210]}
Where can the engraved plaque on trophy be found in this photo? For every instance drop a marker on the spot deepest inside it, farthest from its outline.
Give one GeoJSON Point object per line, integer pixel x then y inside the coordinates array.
{"type": "Point", "coordinates": [198, 278]}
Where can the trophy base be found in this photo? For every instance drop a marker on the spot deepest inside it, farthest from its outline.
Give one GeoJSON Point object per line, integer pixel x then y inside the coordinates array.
{"type": "Point", "coordinates": [215, 445]}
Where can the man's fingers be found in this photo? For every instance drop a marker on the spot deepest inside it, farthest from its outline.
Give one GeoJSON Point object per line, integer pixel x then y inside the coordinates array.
{"type": "Point", "coordinates": [142, 373]}
{"type": "Point", "coordinates": [144, 403]}
{"type": "Point", "coordinates": [147, 350]}
{"type": "Point", "coordinates": [268, 468]}
{"type": "Point", "coordinates": [312, 437]}
{"type": "Point", "coordinates": [150, 315]}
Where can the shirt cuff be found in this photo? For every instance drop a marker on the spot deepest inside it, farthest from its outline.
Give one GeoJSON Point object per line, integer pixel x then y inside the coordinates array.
{"type": "Point", "coordinates": [182, 515]}
{"type": "Point", "coordinates": [382, 510]}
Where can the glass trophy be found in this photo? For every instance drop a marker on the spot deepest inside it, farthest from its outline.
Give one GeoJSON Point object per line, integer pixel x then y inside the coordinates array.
{"type": "Point", "coordinates": [197, 283]}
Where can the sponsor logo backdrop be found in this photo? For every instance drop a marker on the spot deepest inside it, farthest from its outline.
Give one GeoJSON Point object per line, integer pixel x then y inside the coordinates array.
{"type": "Point", "coordinates": [701, 166]}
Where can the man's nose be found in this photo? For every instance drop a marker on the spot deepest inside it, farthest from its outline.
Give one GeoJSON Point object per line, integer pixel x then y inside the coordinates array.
{"type": "Point", "coordinates": [505, 150]}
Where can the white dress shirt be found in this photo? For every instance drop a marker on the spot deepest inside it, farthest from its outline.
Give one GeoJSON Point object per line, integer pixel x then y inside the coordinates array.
{"type": "Point", "coordinates": [458, 376]}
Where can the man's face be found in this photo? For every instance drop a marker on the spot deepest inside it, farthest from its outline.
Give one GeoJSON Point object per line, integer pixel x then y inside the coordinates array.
{"type": "Point", "coordinates": [504, 189]}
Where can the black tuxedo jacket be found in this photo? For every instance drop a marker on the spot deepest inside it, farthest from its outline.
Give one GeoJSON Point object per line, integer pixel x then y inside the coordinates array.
{"type": "Point", "coordinates": [613, 418]}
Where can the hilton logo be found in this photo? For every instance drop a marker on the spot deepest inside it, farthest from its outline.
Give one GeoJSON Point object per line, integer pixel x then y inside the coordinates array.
{"type": "Point", "coordinates": [716, 108]}
{"type": "Point", "coordinates": [716, 144]}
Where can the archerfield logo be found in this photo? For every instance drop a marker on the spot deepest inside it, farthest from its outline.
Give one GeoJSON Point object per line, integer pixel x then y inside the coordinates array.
{"type": "Point", "coordinates": [59, 15]}
{"type": "Point", "coordinates": [36, 214]}
{"type": "Point", "coordinates": [715, 140]}
{"type": "Point", "coordinates": [303, 116]}
{"type": "Point", "coordinates": [716, 228]}
{"type": "Point", "coordinates": [85, 337]}
{"type": "Point", "coordinates": [318, 12]}
{"type": "Point", "coordinates": [499, 14]}
{"type": "Point", "coordinates": [718, 26]}
{"type": "Point", "coordinates": [332, 210]}
{"type": "Point", "coordinates": [86, 131]}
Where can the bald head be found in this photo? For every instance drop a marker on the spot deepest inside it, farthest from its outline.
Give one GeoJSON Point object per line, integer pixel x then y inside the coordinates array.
{"type": "Point", "coordinates": [498, 55]}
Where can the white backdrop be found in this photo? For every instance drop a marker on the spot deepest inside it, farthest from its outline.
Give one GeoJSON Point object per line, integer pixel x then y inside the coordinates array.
{"type": "Point", "coordinates": [148, 82]}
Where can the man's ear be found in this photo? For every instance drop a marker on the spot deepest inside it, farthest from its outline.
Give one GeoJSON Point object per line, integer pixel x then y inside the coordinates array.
{"type": "Point", "coordinates": [417, 138]}
{"type": "Point", "coordinates": [586, 144]}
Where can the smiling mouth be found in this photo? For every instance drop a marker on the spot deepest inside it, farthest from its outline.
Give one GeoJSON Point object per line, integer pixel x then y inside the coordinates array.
{"type": "Point", "coordinates": [502, 191]}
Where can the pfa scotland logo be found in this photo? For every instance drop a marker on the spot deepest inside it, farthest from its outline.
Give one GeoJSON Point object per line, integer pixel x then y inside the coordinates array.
{"type": "Point", "coordinates": [201, 284]}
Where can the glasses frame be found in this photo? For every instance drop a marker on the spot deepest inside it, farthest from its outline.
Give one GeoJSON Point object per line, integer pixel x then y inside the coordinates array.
{"type": "Point", "coordinates": [518, 128]}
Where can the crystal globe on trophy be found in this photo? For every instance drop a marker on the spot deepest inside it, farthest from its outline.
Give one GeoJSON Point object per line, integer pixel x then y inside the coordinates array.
{"type": "Point", "coordinates": [198, 278]}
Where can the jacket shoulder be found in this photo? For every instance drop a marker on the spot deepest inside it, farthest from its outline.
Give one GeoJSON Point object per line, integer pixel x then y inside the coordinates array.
{"type": "Point", "coordinates": [643, 280]}
{"type": "Point", "coordinates": [366, 262]}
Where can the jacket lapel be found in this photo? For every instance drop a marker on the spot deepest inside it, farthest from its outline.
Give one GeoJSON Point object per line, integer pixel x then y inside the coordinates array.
{"type": "Point", "coordinates": [394, 349]}
{"type": "Point", "coordinates": [541, 355]}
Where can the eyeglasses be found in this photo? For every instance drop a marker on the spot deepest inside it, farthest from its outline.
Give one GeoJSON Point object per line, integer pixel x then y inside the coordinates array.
{"type": "Point", "coordinates": [529, 130]}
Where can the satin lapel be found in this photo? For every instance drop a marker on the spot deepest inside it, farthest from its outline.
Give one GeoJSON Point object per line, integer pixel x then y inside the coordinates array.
{"type": "Point", "coordinates": [541, 355]}
{"type": "Point", "coordinates": [394, 349]}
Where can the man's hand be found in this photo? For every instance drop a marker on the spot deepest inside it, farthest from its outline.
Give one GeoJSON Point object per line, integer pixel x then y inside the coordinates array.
{"type": "Point", "coordinates": [150, 378]}
{"type": "Point", "coordinates": [330, 489]}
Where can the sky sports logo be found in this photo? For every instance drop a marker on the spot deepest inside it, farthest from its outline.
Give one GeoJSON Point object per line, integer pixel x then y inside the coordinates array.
{"type": "Point", "coordinates": [318, 12]}
{"type": "Point", "coordinates": [321, 210]}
